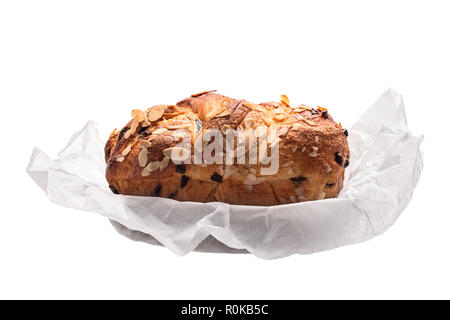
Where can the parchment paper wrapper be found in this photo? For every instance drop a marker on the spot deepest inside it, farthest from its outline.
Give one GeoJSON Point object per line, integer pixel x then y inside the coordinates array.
{"type": "Point", "coordinates": [386, 162]}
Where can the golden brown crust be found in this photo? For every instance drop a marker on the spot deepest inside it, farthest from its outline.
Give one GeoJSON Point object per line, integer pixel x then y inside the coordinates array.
{"type": "Point", "coordinates": [313, 153]}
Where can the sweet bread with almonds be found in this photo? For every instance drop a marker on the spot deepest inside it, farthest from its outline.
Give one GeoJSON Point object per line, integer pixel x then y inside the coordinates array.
{"type": "Point", "coordinates": [146, 157]}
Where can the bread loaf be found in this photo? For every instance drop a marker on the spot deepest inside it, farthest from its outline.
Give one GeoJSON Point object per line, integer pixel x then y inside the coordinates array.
{"type": "Point", "coordinates": [312, 152]}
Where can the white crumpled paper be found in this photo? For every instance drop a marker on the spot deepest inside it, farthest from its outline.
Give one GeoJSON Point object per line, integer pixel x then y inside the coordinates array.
{"type": "Point", "coordinates": [386, 162]}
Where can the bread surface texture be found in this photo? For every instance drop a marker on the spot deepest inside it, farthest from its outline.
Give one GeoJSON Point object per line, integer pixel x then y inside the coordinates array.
{"type": "Point", "coordinates": [312, 152]}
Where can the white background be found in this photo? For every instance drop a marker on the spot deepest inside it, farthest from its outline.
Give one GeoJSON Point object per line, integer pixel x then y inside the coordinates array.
{"type": "Point", "coordinates": [64, 62]}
